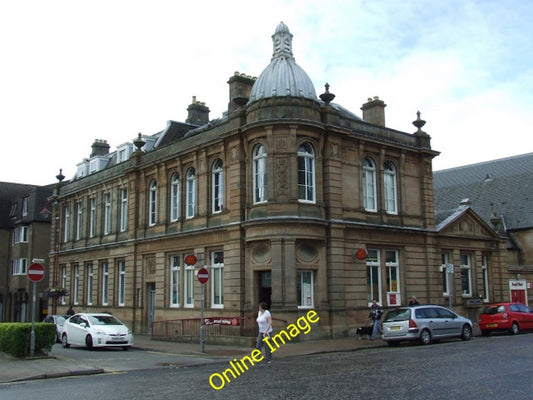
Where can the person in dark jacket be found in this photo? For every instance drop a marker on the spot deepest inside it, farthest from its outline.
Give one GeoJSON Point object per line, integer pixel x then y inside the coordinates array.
{"type": "Point", "coordinates": [376, 311]}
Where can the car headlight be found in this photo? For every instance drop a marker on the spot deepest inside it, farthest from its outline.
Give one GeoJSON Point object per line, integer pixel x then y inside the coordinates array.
{"type": "Point", "coordinates": [99, 332]}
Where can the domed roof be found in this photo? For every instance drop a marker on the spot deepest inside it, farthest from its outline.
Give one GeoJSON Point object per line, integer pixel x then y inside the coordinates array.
{"type": "Point", "coordinates": [282, 77]}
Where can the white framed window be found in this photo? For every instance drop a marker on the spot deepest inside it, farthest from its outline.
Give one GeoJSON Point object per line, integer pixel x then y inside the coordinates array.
{"type": "Point", "coordinates": [446, 280]}
{"type": "Point", "coordinates": [79, 219]}
{"type": "Point", "coordinates": [190, 198]}
{"type": "Point", "coordinates": [19, 266]}
{"type": "Point", "coordinates": [90, 281]}
{"type": "Point", "coordinates": [305, 289]}
{"type": "Point", "coordinates": [152, 210]}
{"type": "Point", "coordinates": [63, 282]}
{"type": "Point", "coordinates": [485, 273]}
{"type": "Point", "coordinates": [123, 209]}
{"type": "Point", "coordinates": [66, 227]}
{"type": "Point", "coordinates": [189, 286]}
{"type": "Point", "coordinates": [175, 269]}
{"type": "Point", "coordinates": [392, 265]}
{"type": "Point", "coordinates": [369, 185]}
{"type": "Point", "coordinates": [306, 173]}
{"type": "Point", "coordinates": [121, 283]}
{"type": "Point", "coordinates": [260, 174]}
{"type": "Point", "coordinates": [76, 284]}
{"type": "Point", "coordinates": [105, 283]}
{"type": "Point", "coordinates": [174, 197]}
{"type": "Point", "coordinates": [373, 276]}
{"type": "Point", "coordinates": [217, 279]}
{"type": "Point", "coordinates": [107, 213]}
{"type": "Point", "coordinates": [390, 185]}
{"type": "Point", "coordinates": [25, 201]}
{"type": "Point", "coordinates": [20, 234]}
{"type": "Point", "coordinates": [92, 217]}
{"type": "Point", "coordinates": [466, 276]}
{"type": "Point", "coordinates": [218, 187]}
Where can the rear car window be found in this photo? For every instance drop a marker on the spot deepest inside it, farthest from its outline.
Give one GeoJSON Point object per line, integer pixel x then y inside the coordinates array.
{"type": "Point", "coordinates": [400, 314]}
{"type": "Point", "coordinates": [493, 309]}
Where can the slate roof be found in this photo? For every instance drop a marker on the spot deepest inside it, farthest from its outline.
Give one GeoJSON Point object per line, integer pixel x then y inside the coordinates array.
{"type": "Point", "coordinates": [502, 187]}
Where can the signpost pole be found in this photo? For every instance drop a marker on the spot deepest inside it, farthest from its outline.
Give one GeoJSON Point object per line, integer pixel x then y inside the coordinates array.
{"type": "Point", "coordinates": [32, 335]}
{"type": "Point", "coordinates": [202, 320]}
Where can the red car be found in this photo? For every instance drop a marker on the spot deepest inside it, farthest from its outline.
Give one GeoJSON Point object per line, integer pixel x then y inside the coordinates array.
{"type": "Point", "coordinates": [512, 317]}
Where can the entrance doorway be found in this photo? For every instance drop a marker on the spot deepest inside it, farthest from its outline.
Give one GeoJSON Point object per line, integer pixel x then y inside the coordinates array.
{"type": "Point", "coordinates": [265, 287]}
{"type": "Point", "coordinates": [150, 290]}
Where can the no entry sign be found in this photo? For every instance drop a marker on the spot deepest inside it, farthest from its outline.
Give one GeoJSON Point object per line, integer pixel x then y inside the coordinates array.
{"type": "Point", "coordinates": [35, 272]}
{"type": "Point", "coordinates": [203, 275]}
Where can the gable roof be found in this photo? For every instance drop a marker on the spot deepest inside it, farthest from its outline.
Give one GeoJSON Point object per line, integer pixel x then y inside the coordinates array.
{"type": "Point", "coordinates": [502, 187]}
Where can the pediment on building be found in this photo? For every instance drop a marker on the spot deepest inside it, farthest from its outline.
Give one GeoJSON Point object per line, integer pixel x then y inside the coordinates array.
{"type": "Point", "coordinates": [466, 222]}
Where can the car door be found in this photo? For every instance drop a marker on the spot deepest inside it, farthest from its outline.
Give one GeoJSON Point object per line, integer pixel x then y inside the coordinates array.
{"type": "Point", "coordinates": [430, 319]}
{"type": "Point", "coordinates": [76, 330]}
{"type": "Point", "coordinates": [526, 317]}
{"type": "Point", "coordinates": [451, 326]}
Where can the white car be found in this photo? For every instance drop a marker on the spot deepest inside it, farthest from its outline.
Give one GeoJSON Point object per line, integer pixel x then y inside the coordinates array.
{"type": "Point", "coordinates": [58, 320]}
{"type": "Point", "coordinates": [96, 330]}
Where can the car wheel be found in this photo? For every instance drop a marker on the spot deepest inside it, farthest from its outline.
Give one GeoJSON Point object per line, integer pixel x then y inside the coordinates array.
{"type": "Point", "coordinates": [425, 337]}
{"type": "Point", "coordinates": [64, 341]}
{"type": "Point", "coordinates": [514, 328]}
{"type": "Point", "coordinates": [466, 333]}
{"type": "Point", "coordinates": [89, 341]}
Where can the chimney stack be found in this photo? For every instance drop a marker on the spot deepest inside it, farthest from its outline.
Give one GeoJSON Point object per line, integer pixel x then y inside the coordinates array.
{"type": "Point", "coordinates": [374, 111]}
{"type": "Point", "coordinates": [100, 148]}
{"type": "Point", "coordinates": [198, 113]}
{"type": "Point", "coordinates": [240, 87]}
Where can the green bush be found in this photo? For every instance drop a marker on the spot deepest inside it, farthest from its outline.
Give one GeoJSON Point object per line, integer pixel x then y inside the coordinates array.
{"type": "Point", "coordinates": [15, 338]}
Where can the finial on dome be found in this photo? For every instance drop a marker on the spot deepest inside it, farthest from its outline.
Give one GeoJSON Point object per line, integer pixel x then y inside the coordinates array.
{"type": "Point", "coordinates": [419, 123]}
{"type": "Point", "coordinates": [282, 41]}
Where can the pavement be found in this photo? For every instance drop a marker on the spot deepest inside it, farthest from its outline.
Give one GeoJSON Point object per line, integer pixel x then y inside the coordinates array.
{"type": "Point", "coordinates": [14, 369]}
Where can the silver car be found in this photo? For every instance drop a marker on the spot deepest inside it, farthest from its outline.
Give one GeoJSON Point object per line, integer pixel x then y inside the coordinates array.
{"type": "Point", "coordinates": [424, 324]}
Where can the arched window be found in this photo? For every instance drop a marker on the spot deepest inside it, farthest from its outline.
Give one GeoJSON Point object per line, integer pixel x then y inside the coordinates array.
{"type": "Point", "coordinates": [389, 182]}
{"type": "Point", "coordinates": [306, 173]}
{"type": "Point", "coordinates": [218, 187]}
{"type": "Point", "coordinates": [174, 197]}
{"type": "Point", "coordinates": [369, 184]}
{"type": "Point", "coordinates": [191, 193]}
{"type": "Point", "coordinates": [152, 210]}
{"type": "Point", "coordinates": [260, 175]}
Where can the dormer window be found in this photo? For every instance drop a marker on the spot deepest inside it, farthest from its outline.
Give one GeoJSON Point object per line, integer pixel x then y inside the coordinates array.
{"type": "Point", "coordinates": [124, 152]}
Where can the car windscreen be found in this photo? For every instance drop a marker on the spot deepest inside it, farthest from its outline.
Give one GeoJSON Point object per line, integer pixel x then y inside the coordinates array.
{"type": "Point", "coordinates": [493, 309]}
{"type": "Point", "coordinates": [104, 320]}
{"type": "Point", "coordinates": [400, 314]}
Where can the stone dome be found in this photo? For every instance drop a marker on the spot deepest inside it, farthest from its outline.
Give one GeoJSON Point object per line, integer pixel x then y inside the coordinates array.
{"type": "Point", "coordinates": [282, 77]}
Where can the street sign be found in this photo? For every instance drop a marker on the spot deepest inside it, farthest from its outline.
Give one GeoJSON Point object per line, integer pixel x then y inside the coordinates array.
{"type": "Point", "coordinates": [203, 275]}
{"type": "Point", "coordinates": [190, 259]}
{"type": "Point", "coordinates": [35, 272]}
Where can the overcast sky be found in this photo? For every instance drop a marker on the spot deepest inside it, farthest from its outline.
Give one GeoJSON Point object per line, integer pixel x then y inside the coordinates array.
{"type": "Point", "coordinates": [75, 71]}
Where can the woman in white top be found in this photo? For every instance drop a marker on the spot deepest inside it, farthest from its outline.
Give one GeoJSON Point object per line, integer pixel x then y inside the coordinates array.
{"type": "Point", "coordinates": [264, 323]}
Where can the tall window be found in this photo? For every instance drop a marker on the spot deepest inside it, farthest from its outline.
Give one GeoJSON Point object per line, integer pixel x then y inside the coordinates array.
{"type": "Point", "coordinates": [66, 229]}
{"type": "Point", "coordinates": [25, 206]}
{"type": "Point", "coordinates": [20, 234]}
{"type": "Point", "coordinates": [485, 272]}
{"type": "Point", "coordinates": [393, 277]}
{"type": "Point", "coordinates": [107, 213]}
{"type": "Point", "coordinates": [63, 282]}
{"type": "Point", "coordinates": [92, 217]}
{"type": "Point", "coordinates": [19, 266]}
{"type": "Point", "coordinates": [174, 197]}
{"type": "Point", "coordinates": [152, 210]}
{"type": "Point", "coordinates": [306, 173]}
{"type": "Point", "coordinates": [217, 279]}
{"type": "Point", "coordinates": [373, 281]}
{"type": "Point", "coordinates": [121, 282]}
{"type": "Point", "coordinates": [123, 210]}
{"type": "Point", "coordinates": [189, 286]}
{"type": "Point", "coordinates": [218, 187]}
{"type": "Point", "coordinates": [304, 288]}
{"type": "Point", "coordinates": [90, 282]}
{"type": "Point", "coordinates": [260, 174]}
{"type": "Point", "coordinates": [79, 215]}
{"type": "Point", "coordinates": [191, 193]}
{"type": "Point", "coordinates": [466, 275]}
{"type": "Point", "coordinates": [76, 284]}
{"type": "Point", "coordinates": [105, 283]}
{"type": "Point", "coordinates": [369, 185]}
{"type": "Point", "coordinates": [445, 258]}
{"type": "Point", "coordinates": [175, 281]}
{"type": "Point", "coordinates": [389, 181]}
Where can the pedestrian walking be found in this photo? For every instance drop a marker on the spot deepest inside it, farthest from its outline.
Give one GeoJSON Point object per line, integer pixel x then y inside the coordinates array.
{"type": "Point", "coordinates": [376, 311]}
{"type": "Point", "coordinates": [264, 323]}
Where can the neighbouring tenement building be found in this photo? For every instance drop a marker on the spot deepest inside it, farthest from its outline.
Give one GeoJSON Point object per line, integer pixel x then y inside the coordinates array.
{"type": "Point", "coordinates": [278, 199]}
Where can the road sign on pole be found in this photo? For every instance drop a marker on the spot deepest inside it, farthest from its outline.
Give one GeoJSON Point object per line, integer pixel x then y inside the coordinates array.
{"type": "Point", "coordinates": [35, 272]}
{"type": "Point", "coordinates": [203, 275]}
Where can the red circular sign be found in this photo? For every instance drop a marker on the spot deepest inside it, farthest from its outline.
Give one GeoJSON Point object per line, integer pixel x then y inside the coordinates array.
{"type": "Point", "coordinates": [360, 254]}
{"type": "Point", "coordinates": [203, 275]}
{"type": "Point", "coordinates": [190, 259]}
{"type": "Point", "coordinates": [35, 272]}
